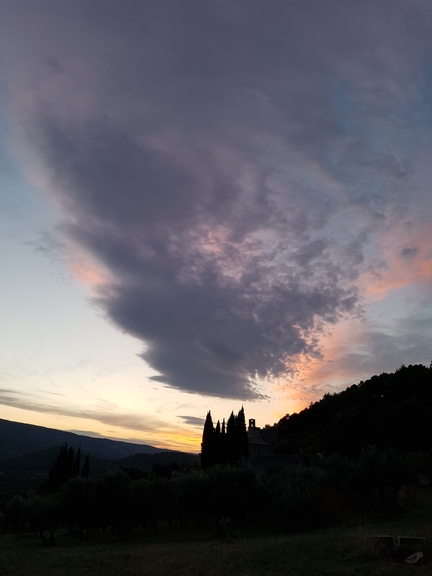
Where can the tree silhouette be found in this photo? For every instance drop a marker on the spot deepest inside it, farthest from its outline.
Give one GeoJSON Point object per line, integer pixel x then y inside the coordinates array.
{"type": "Point", "coordinates": [385, 410]}
{"type": "Point", "coordinates": [86, 467]}
{"type": "Point", "coordinates": [208, 444]}
{"type": "Point", "coordinates": [242, 437]}
{"type": "Point", "coordinates": [65, 467]}
{"type": "Point", "coordinates": [225, 444]}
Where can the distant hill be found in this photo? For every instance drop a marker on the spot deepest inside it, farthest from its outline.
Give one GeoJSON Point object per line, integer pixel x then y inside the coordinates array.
{"type": "Point", "coordinates": [35, 462]}
{"type": "Point", "coordinates": [386, 410]}
{"type": "Point", "coordinates": [18, 439]}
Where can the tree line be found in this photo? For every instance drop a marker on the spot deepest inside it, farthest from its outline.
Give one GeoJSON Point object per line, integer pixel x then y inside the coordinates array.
{"type": "Point", "coordinates": [225, 445]}
{"type": "Point", "coordinates": [387, 410]}
{"type": "Point", "coordinates": [280, 497]}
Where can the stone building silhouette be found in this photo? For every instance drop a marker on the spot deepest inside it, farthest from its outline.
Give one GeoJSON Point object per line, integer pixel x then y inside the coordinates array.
{"type": "Point", "coordinates": [260, 451]}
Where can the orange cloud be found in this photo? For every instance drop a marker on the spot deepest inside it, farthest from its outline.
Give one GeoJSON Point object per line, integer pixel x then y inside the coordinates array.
{"type": "Point", "coordinates": [87, 271]}
{"type": "Point", "coordinates": [408, 256]}
{"type": "Point", "coordinates": [312, 377]}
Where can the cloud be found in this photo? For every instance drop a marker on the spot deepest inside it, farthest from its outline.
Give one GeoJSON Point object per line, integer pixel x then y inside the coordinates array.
{"type": "Point", "coordinates": [129, 421]}
{"type": "Point", "coordinates": [409, 253]}
{"type": "Point", "coordinates": [357, 350]}
{"type": "Point", "coordinates": [193, 421]}
{"type": "Point", "coordinates": [231, 174]}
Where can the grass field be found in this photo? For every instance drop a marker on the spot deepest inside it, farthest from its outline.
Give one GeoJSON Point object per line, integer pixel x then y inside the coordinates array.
{"type": "Point", "coordinates": [189, 551]}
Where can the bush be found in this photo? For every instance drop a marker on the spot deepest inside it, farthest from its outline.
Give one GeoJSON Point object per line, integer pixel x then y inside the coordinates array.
{"type": "Point", "coordinates": [112, 504]}
{"type": "Point", "coordinates": [192, 497]}
{"type": "Point", "coordinates": [231, 492]}
{"type": "Point", "coordinates": [294, 510]}
{"type": "Point", "coordinates": [296, 496]}
{"type": "Point", "coordinates": [35, 513]}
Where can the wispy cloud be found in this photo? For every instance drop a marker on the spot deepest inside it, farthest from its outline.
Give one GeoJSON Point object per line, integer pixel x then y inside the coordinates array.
{"type": "Point", "coordinates": [193, 421]}
{"type": "Point", "coordinates": [129, 421]}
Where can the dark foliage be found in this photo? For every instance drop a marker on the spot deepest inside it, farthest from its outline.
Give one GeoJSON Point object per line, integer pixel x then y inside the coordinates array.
{"type": "Point", "coordinates": [65, 467]}
{"type": "Point", "coordinates": [386, 410]}
{"type": "Point", "coordinates": [224, 445]}
{"type": "Point", "coordinates": [86, 467]}
{"type": "Point", "coordinates": [165, 471]}
{"type": "Point", "coordinates": [34, 513]}
{"type": "Point", "coordinates": [283, 497]}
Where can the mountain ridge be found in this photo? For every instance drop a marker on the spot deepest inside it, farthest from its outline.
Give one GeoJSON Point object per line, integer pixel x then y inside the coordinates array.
{"type": "Point", "coordinates": [18, 439]}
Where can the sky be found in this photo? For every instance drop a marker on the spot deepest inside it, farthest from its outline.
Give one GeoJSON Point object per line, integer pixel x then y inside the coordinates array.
{"type": "Point", "coordinates": [209, 205]}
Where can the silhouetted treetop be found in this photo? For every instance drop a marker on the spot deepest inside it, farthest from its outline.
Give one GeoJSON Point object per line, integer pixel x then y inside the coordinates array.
{"type": "Point", "coordinates": [389, 409]}
{"type": "Point", "coordinates": [224, 444]}
{"type": "Point", "coordinates": [65, 467]}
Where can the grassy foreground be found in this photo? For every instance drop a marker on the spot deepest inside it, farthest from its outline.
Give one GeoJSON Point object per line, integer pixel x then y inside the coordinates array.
{"type": "Point", "coordinates": [189, 552]}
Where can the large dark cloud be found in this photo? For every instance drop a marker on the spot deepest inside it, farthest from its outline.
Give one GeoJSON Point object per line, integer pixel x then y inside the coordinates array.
{"type": "Point", "coordinates": [220, 160]}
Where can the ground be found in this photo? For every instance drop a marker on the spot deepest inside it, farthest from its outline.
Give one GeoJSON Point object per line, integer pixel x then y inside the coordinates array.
{"type": "Point", "coordinates": [192, 551]}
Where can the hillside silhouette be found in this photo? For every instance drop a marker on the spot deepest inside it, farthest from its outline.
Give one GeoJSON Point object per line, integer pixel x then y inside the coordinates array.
{"type": "Point", "coordinates": [18, 439]}
{"type": "Point", "coordinates": [386, 410]}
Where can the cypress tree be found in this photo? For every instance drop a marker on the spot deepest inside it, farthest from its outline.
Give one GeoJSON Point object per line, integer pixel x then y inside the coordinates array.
{"type": "Point", "coordinates": [62, 470]}
{"type": "Point", "coordinates": [231, 440]}
{"type": "Point", "coordinates": [226, 444]}
{"type": "Point", "coordinates": [208, 444]}
{"type": "Point", "coordinates": [223, 445]}
{"type": "Point", "coordinates": [69, 469]}
{"type": "Point", "coordinates": [217, 444]}
{"type": "Point", "coordinates": [242, 437]}
{"type": "Point", "coordinates": [86, 467]}
{"type": "Point", "coordinates": [77, 463]}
